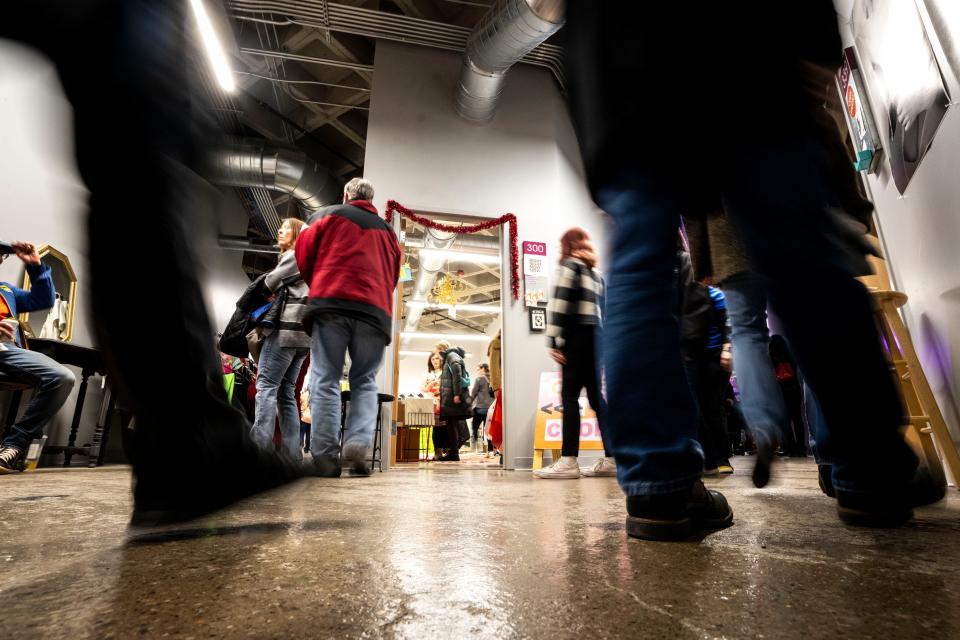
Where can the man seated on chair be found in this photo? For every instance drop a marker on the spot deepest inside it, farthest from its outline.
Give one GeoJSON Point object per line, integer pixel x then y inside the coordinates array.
{"type": "Point", "coordinates": [50, 380]}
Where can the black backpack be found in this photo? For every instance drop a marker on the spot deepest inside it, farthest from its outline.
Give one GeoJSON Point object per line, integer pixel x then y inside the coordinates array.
{"type": "Point", "coordinates": [233, 340]}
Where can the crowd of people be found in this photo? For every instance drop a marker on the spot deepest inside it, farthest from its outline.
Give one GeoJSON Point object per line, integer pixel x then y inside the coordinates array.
{"type": "Point", "coordinates": [771, 178]}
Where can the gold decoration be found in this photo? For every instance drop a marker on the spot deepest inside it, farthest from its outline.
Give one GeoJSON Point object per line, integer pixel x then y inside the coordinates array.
{"type": "Point", "coordinates": [448, 291]}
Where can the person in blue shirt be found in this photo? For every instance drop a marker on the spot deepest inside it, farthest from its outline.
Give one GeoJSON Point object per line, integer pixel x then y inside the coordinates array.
{"type": "Point", "coordinates": [51, 381]}
{"type": "Point", "coordinates": [705, 346]}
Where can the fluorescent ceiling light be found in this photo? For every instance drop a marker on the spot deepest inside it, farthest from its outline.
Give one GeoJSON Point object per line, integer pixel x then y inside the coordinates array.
{"type": "Point", "coordinates": [218, 59]}
{"type": "Point", "coordinates": [449, 337]}
{"type": "Point", "coordinates": [480, 308]}
{"type": "Point", "coordinates": [460, 256]}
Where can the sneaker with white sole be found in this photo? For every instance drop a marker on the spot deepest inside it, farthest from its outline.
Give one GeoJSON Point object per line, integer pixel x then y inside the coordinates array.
{"type": "Point", "coordinates": [603, 468]}
{"type": "Point", "coordinates": [9, 457]}
{"type": "Point", "coordinates": [566, 468]}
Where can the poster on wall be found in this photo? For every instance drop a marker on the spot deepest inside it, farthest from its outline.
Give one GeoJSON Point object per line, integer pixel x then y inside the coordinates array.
{"type": "Point", "coordinates": [863, 132]}
{"type": "Point", "coordinates": [941, 18]}
{"type": "Point", "coordinates": [906, 89]}
{"type": "Point", "coordinates": [535, 274]}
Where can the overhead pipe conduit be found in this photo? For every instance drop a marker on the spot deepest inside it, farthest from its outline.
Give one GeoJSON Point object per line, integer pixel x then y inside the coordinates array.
{"type": "Point", "coordinates": [511, 30]}
{"type": "Point", "coordinates": [256, 163]}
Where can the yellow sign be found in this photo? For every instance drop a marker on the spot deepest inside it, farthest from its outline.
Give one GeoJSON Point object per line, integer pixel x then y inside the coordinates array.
{"type": "Point", "coordinates": [548, 432]}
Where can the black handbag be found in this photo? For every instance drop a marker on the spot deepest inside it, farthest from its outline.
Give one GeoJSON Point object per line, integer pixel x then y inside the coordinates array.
{"type": "Point", "coordinates": [233, 340]}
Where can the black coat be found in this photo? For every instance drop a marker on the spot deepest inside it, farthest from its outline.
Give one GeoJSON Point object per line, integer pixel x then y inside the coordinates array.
{"type": "Point", "coordinates": [233, 340]}
{"type": "Point", "coordinates": [451, 384]}
{"type": "Point", "coordinates": [671, 86]}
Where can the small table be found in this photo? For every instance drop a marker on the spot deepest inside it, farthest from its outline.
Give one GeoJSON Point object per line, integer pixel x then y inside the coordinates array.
{"type": "Point", "coordinates": [90, 361]}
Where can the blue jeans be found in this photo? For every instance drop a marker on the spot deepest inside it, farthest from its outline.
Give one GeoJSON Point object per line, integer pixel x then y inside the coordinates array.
{"type": "Point", "coordinates": [651, 413]}
{"type": "Point", "coordinates": [760, 397]}
{"type": "Point", "coordinates": [333, 337]}
{"type": "Point", "coordinates": [774, 195]}
{"type": "Point", "coordinates": [277, 374]}
{"type": "Point", "coordinates": [52, 383]}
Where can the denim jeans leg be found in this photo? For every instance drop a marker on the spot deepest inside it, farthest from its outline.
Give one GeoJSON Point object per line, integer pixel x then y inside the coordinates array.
{"type": "Point", "coordinates": [52, 384]}
{"type": "Point", "coordinates": [774, 195]}
{"type": "Point", "coordinates": [271, 369]}
{"type": "Point", "coordinates": [819, 435]}
{"type": "Point", "coordinates": [287, 404]}
{"type": "Point", "coordinates": [760, 398]}
{"type": "Point", "coordinates": [650, 412]}
{"type": "Point", "coordinates": [328, 349]}
{"type": "Point", "coordinates": [366, 355]}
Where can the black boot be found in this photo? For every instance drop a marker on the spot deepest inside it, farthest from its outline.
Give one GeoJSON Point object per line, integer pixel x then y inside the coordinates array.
{"type": "Point", "coordinates": [674, 516]}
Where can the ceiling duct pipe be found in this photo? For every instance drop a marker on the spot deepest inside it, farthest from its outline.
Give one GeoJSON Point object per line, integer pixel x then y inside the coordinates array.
{"type": "Point", "coordinates": [426, 276]}
{"type": "Point", "coordinates": [511, 30]}
{"type": "Point", "coordinates": [483, 244]}
{"type": "Point", "coordinates": [255, 163]}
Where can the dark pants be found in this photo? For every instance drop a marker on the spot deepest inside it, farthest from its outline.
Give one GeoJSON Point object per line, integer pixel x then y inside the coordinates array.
{"type": "Point", "coordinates": [774, 195]}
{"type": "Point", "coordinates": [52, 383]}
{"type": "Point", "coordinates": [709, 383]}
{"type": "Point", "coordinates": [305, 436]}
{"type": "Point", "coordinates": [479, 418]}
{"type": "Point", "coordinates": [795, 432]}
{"type": "Point", "coordinates": [150, 131]}
{"type": "Point", "coordinates": [580, 372]}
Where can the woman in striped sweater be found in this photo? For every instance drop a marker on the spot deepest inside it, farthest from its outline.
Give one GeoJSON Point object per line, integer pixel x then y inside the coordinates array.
{"type": "Point", "coordinates": [283, 351]}
{"type": "Point", "coordinates": [574, 319]}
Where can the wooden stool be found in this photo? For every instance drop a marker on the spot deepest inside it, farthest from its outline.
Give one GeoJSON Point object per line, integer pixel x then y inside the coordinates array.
{"type": "Point", "coordinates": [926, 432]}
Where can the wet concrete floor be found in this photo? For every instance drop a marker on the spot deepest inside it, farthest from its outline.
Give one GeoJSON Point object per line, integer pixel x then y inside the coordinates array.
{"type": "Point", "coordinates": [463, 554]}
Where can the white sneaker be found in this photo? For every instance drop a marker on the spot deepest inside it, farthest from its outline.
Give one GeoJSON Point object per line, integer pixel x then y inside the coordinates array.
{"type": "Point", "coordinates": [603, 468]}
{"type": "Point", "coordinates": [566, 468]}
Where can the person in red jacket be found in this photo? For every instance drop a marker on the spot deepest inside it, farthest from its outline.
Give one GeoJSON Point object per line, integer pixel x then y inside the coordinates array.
{"type": "Point", "coordinates": [350, 259]}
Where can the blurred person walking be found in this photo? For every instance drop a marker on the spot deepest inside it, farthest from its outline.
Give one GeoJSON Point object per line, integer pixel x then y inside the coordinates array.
{"type": "Point", "coordinates": [574, 322]}
{"type": "Point", "coordinates": [772, 185]}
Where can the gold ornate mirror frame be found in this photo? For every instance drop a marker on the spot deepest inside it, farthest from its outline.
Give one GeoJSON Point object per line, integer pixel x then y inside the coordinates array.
{"type": "Point", "coordinates": [71, 297]}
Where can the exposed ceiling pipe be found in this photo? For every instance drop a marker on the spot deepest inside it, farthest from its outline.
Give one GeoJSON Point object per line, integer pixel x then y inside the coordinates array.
{"type": "Point", "coordinates": [503, 37]}
{"type": "Point", "coordinates": [486, 244]}
{"type": "Point", "coordinates": [243, 243]}
{"type": "Point", "coordinates": [256, 163]}
{"type": "Point", "coordinates": [426, 276]}
{"type": "Point", "coordinates": [381, 25]}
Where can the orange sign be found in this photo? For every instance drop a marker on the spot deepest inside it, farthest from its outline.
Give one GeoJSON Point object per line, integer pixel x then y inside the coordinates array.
{"type": "Point", "coordinates": [548, 433]}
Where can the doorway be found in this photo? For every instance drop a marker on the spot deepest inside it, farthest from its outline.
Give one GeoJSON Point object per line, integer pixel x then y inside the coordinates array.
{"type": "Point", "coordinates": [450, 290]}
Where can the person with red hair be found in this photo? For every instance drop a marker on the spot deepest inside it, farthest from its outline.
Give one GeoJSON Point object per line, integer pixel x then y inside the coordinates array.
{"type": "Point", "coordinates": [574, 318]}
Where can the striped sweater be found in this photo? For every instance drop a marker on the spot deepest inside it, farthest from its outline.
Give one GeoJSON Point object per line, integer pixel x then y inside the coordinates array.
{"type": "Point", "coordinates": [291, 320]}
{"type": "Point", "coordinates": [577, 300]}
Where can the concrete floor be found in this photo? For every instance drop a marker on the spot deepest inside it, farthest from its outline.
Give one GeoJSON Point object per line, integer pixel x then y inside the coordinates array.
{"type": "Point", "coordinates": [456, 554]}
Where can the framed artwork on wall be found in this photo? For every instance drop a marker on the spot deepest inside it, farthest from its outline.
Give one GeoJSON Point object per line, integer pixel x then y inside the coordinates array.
{"type": "Point", "coordinates": [941, 19]}
{"type": "Point", "coordinates": [906, 89]}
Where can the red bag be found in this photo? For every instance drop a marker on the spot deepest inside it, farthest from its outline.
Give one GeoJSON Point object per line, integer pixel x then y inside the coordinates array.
{"type": "Point", "coordinates": [495, 430]}
{"type": "Point", "coordinates": [784, 372]}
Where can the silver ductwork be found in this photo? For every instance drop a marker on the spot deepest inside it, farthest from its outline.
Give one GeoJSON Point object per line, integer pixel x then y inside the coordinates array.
{"type": "Point", "coordinates": [256, 163]}
{"type": "Point", "coordinates": [506, 34]}
{"type": "Point", "coordinates": [426, 276]}
{"type": "Point", "coordinates": [480, 244]}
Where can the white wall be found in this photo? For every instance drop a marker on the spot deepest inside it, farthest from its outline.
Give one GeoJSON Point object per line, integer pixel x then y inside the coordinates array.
{"type": "Point", "coordinates": [921, 235]}
{"type": "Point", "coordinates": [44, 202]}
{"type": "Point", "coordinates": [420, 153]}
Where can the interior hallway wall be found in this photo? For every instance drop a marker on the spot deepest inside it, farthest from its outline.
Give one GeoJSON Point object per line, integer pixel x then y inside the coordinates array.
{"type": "Point", "coordinates": [45, 202]}
{"type": "Point", "coordinates": [43, 199]}
{"type": "Point", "coordinates": [526, 161]}
{"type": "Point", "coordinates": [921, 233]}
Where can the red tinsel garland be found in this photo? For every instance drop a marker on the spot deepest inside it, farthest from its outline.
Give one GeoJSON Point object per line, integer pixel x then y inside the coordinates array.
{"type": "Point", "coordinates": [393, 205]}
